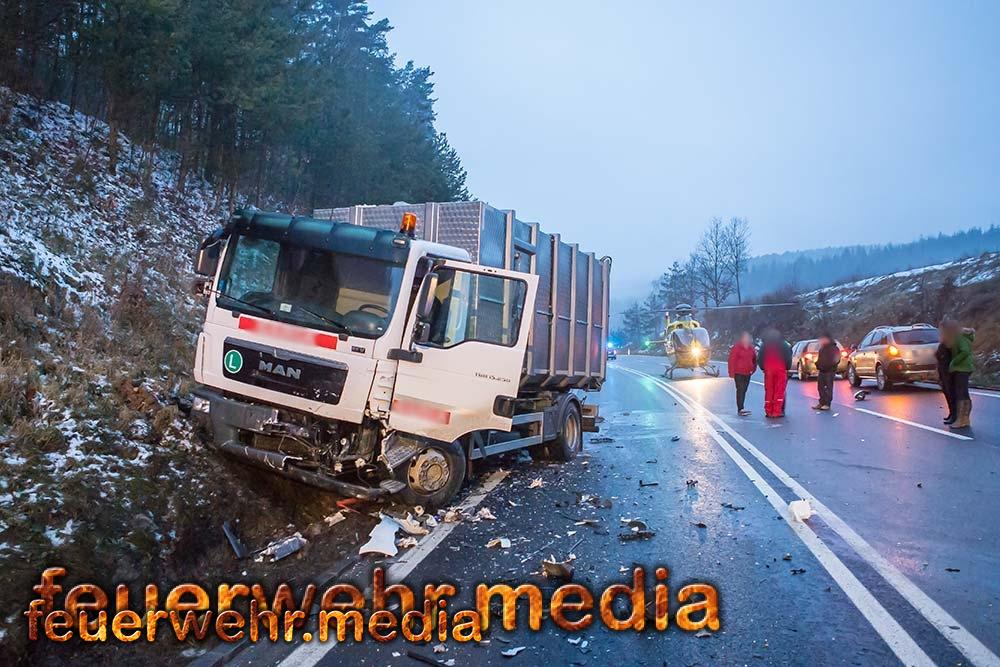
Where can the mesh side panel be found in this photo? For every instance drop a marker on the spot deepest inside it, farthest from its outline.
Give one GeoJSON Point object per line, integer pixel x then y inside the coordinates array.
{"type": "Point", "coordinates": [389, 217]}
{"type": "Point", "coordinates": [459, 225]}
{"type": "Point", "coordinates": [336, 214]}
{"type": "Point", "coordinates": [543, 304]}
{"type": "Point", "coordinates": [580, 349]}
{"type": "Point", "coordinates": [597, 352]}
{"type": "Point", "coordinates": [564, 289]}
{"type": "Point", "coordinates": [493, 241]}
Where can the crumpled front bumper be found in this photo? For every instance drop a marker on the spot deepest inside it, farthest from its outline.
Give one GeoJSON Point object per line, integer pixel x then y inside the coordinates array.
{"type": "Point", "coordinates": [227, 417]}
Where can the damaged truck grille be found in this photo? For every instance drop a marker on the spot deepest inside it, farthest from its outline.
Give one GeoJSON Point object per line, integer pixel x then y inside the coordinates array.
{"type": "Point", "coordinates": [271, 368]}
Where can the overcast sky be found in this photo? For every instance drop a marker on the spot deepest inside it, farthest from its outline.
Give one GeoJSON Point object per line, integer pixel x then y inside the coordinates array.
{"type": "Point", "coordinates": [627, 126]}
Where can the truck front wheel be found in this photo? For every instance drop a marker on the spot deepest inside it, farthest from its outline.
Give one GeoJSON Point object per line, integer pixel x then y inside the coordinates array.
{"type": "Point", "coordinates": [569, 441]}
{"type": "Point", "coordinates": [433, 476]}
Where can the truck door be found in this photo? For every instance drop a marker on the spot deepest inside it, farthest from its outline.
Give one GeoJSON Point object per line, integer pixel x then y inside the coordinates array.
{"type": "Point", "coordinates": [463, 351]}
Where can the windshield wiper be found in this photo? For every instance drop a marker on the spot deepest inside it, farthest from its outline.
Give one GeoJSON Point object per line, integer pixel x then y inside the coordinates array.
{"type": "Point", "coordinates": [336, 323]}
{"type": "Point", "coordinates": [263, 309]}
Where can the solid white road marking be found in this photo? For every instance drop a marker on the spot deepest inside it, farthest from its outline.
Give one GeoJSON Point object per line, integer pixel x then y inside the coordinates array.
{"type": "Point", "coordinates": [310, 653]}
{"type": "Point", "coordinates": [951, 629]}
{"type": "Point", "coordinates": [901, 643]}
{"type": "Point", "coordinates": [950, 434]}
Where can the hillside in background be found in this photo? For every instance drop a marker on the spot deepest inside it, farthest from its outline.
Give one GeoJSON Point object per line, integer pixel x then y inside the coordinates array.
{"type": "Point", "coordinates": [100, 470]}
{"type": "Point", "coordinates": [964, 289]}
{"type": "Point", "coordinates": [810, 269]}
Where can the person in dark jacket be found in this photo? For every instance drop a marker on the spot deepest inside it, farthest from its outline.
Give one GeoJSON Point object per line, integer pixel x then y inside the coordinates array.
{"type": "Point", "coordinates": [827, 360]}
{"type": "Point", "coordinates": [742, 364]}
{"type": "Point", "coordinates": [775, 359]}
{"type": "Point", "coordinates": [959, 342]}
{"type": "Point", "coordinates": [943, 356]}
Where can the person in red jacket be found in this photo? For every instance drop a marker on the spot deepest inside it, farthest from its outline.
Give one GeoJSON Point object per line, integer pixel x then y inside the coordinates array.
{"type": "Point", "coordinates": [775, 359]}
{"type": "Point", "coordinates": [742, 364]}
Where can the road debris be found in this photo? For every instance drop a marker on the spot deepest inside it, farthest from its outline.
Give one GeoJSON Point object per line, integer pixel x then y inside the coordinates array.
{"type": "Point", "coordinates": [798, 570]}
{"type": "Point", "coordinates": [523, 457]}
{"type": "Point", "coordinates": [735, 508]}
{"type": "Point", "coordinates": [554, 569]}
{"type": "Point", "coordinates": [281, 548]}
{"type": "Point", "coordinates": [861, 395]}
{"type": "Point", "coordinates": [483, 513]}
{"type": "Point", "coordinates": [411, 526]}
{"type": "Point", "coordinates": [511, 652]}
{"type": "Point", "coordinates": [691, 482]}
{"type": "Point", "coordinates": [642, 483]}
{"type": "Point", "coordinates": [638, 530]}
{"type": "Point", "coordinates": [952, 569]}
{"type": "Point", "coordinates": [787, 557]}
{"type": "Point", "coordinates": [335, 518]}
{"type": "Point", "coordinates": [702, 634]}
{"type": "Point", "coordinates": [382, 538]}
{"type": "Point", "coordinates": [427, 660]}
{"type": "Point", "coordinates": [536, 483]}
{"type": "Point", "coordinates": [408, 542]}
{"type": "Point", "coordinates": [596, 501]}
{"type": "Point", "coordinates": [675, 438]}
{"type": "Point", "coordinates": [239, 549]}
{"type": "Point", "coordinates": [801, 509]}
{"type": "Point", "coordinates": [601, 439]}
{"type": "Point", "coordinates": [452, 516]}
{"type": "Point", "coordinates": [699, 524]}
{"type": "Point", "coordinates": [498, 543]}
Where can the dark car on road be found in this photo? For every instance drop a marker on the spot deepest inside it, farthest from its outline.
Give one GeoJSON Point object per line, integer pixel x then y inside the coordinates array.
{"type": "Point", "coordinates": [895, 354]}
{"type": "Point", "coordinates": [804, 355]}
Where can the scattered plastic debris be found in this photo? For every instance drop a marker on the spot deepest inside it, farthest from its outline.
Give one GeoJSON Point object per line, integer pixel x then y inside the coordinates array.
{"type": "Point", "coordinates": [382, 538]}
{"type": "Point", "coordinates": [952, 569]}
{"type": "Point", "coordinates": [335, 518]}
{"type": "Point", "coordinates": [484, 513]}
{"type": "Point", "coordinates": [675, 438]}
{"type": "Point", "coordinates": [411, 526]}
{"type": "Point", "coordinates": [735, 508]}
{"type": "Point", "coordinates": [702, 634]}
{"type": "Point", "coordinates": [239, 549]}
{"type": "Point", "coordinates": [498, 543]}
{"type": "Point", "coordinates": [642, 483]}
{"type": "Point", "coordinates": [787, 557]}
{"type": "Point", "coordinates": [281, 548]}
{"type": "Point", "coordinates": [523, 457]}
{"type": "Point", "coordinates": [511, 652]}
{"type": "Point", "coordinates": [861, 395]}
{"type": "Point", "coordinates": [601, 439]}
{"type": "Point", "coordinates": [691, 482]}
{"type": "Point", "coordinates": [699, 524]}
{"type": "Point", "coordinates": [801, 509]}
{"type": "Point", "coordinates": [798, 570]}
{"type": "Point", "coordinates": [536, 483]}
{"type": "Point", "coordinates": [638, 530]}
{"type": "Point", "coordinates": [408, 542]}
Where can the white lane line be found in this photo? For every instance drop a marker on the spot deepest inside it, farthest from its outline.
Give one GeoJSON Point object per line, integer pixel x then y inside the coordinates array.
{"type": "Point", "coordinates": [953, 631]}
{"type": "Point", "coordinates": [974, 392]}
{"type": "Point", "coordinates": [307, 654]}
{"type": "Point", "coordinates": [891, 632]}
{"type": "Point", "coordinates": [990, 394]}
{"type": "Point", "coordinates": [950, 434]}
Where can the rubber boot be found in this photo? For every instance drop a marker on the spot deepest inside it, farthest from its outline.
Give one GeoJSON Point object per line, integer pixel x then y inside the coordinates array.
{"type": "Point", "coordinates": [964, 409]}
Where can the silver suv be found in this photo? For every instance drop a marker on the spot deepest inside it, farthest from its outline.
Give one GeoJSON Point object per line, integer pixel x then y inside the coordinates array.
{"type": "Point", "coordinates": [891, 355]}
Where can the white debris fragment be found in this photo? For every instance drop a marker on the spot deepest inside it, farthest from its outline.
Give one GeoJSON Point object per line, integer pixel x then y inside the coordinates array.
{"type": "Point", "coordinates": [535, 484]}
{"type": "Point", "coordinates": [382, 538]}
{"type": "Point", "coordinates": [334, 519]}
{"type": "Point", "coordinates": [281, 547]}
{"type": "Point", "coordinates": [498, 542]}
{"type": "Point", "coordinates": [408, 543]}
{"type": "Point", "coordinates": [411, 526]}
{"type": "Point", "coordinates": [453, 516]}
{"type": "Point", "coordinates": [511, 652]}
{"type": "Point", "coordinates": [484, 513]}
{"type": "Point", "coordinates": [800, 509]}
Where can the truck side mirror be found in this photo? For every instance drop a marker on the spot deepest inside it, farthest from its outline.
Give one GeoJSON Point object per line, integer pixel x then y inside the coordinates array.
{"type": "Point", "coordinates": [207, 260]}
{"type": "Point", "coordinates": [425, 307]}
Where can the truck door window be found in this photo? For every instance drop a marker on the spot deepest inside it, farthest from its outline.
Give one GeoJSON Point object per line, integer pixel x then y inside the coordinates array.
{"type": "Point", "coordinates": [475, 307]}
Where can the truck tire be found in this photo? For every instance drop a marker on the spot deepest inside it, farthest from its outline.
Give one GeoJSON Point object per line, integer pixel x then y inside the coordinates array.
{"type": "Point", "coordinates": [569, 440]}
{"type": "Point", "coordinates": [434, 475]}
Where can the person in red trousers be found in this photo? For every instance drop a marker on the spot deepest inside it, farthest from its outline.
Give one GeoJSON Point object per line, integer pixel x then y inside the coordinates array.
{"type": "Point", "coordinates": [742, 364]}
{"type": "Point", "coordinates": [775, 359]}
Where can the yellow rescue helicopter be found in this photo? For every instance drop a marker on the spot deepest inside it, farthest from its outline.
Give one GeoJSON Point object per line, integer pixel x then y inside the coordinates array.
{"type": "Point", "coordinates": [687, 343]}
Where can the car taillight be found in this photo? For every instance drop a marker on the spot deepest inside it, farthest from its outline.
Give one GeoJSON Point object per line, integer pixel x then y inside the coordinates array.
{"type": "Point", "coordinates": [893, 351]}
{"type": "Point", "coordinates": [843, 353]}
{"type": "Point", "coordinates": [810, 356]}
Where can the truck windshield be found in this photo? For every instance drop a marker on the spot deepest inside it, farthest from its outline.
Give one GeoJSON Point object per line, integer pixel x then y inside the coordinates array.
{"type": "Point", "coordinates": [311, 287]}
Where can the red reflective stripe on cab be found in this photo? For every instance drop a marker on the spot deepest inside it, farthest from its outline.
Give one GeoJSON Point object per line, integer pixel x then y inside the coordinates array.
{"type": "Point", "coordinates": [423, 411]}
{"type": "Point", "coordinates": [248, 323]}
{"type": "Point", "coordinates": [326, 340]}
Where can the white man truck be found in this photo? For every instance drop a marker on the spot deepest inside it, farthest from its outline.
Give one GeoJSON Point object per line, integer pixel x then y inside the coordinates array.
{"type": "Point", "coordinates": [377, 350]}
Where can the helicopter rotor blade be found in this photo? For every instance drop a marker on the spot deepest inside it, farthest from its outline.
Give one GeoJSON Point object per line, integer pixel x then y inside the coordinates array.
{"type": "Point", "coordinates": [732, 307]}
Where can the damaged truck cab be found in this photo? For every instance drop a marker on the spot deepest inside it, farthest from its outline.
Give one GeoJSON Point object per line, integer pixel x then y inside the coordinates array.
{"type": "Point", "coordinates": [374, 350]}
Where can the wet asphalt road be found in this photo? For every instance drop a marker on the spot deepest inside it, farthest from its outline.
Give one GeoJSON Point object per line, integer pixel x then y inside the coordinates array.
{"type": "Point", "coordinates": [922, 505]}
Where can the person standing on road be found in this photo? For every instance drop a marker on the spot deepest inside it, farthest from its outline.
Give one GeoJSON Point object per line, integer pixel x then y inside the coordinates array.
{"type": "Point", "coordinates": [742, 364]}
{"type": "Point", "coordinates": [827, 360]}
{"type": "Point", "coordinates": [943, 356]}
{"type": "Point", "coordinates": [959, 341]}
{"type": "Point", "coordinates": [775, 359]}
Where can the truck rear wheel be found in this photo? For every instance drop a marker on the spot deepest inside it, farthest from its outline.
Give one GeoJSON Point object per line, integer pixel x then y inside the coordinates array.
{"type": "Point", "coordinates": [433, 476]}
{"type": "Point", "coordinates": [569, 440]}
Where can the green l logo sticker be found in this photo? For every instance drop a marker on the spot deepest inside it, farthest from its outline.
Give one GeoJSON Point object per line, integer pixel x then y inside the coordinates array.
{"type": "Point", "coordinates": [233, 361]}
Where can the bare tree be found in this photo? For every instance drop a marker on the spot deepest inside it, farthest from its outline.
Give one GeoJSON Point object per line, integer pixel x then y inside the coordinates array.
{"type": "Point", "coordinates": [737, 242]}
{"type": "Point", "coordinates": [712, 263]}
